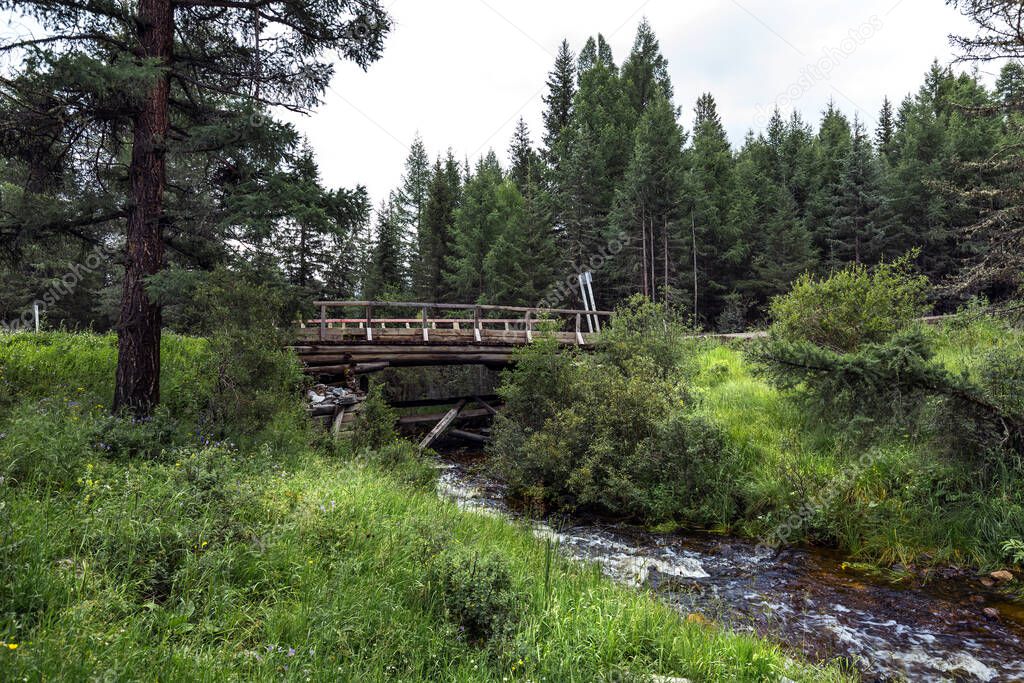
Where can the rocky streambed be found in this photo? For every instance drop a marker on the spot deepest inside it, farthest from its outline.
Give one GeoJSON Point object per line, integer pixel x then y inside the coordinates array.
{"type": "Point", "coordinates": [951, 628]}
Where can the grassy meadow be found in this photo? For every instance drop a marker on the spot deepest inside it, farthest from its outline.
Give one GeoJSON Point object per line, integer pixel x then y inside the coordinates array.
{"type": "Point", "coordinates": [179, 548]}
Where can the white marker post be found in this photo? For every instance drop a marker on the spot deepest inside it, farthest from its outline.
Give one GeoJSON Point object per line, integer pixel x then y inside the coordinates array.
{"type": "Point", "coordinates": [588, 280]}
{"type": "Point", "coordinates": [35, 314]}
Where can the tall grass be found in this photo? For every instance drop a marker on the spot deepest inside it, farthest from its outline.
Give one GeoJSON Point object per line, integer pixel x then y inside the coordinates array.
{"type": "Point", "coordinates": [909, 503]}
{"type": "Point", "coordinates": [228, 561]}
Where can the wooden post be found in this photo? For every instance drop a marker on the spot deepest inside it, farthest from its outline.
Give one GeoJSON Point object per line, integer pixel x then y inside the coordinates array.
{"type": "Point", "coordinates": [369, 322]}
{"type": "Point", "coordinates": [426, 335]}
{"type": "Point", "coordinates": [440, 428]}
{"type": "Point", "coordinates": [323, 320]}
{"type": "Point", "coordinates": [339, 418]}
{"type": "Point", "coordinates": [486, 406]}
{"type": "Point", "coordinates": [476, 323]}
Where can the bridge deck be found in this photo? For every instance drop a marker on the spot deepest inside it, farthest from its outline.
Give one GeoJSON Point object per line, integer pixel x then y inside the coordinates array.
{"type": "Point", "coordinates": [336, 345]}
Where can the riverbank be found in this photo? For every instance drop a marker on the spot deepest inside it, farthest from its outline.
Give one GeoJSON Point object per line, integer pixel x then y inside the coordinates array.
{"type": "Point", "coordinates": [678, 433]}
{"type": "Point", "coordinates": [134, 548]}
{"type": "Point", "coordinates": [823, 607]}
{"type": "Point", "coordinates": [894, 498]}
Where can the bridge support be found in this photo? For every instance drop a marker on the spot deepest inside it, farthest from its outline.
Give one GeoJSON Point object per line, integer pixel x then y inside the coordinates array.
{"type": "Point", "coordinates": [440, 428]}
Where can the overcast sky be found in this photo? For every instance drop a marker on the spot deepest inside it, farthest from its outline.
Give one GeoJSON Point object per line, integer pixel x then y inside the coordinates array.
{"type": "Point", "coordinates": [461, 72]}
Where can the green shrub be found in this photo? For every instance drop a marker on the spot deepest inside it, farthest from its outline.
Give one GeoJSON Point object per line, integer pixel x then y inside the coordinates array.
{"type": "Point", "coordinates": [376, 424]}
{"type": "Point", "coordinates": [476, 593]}
{"type": "Point", "coordinates": [609, 431]}
{"type": "Point", "coordinates": [850, 308]}
{"type": "Point", "coordinates": [127, 437]}
{"type": "Point", "coordinates": [642, 328]}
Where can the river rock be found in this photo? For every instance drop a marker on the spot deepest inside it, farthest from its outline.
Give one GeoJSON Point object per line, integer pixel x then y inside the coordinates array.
{"type": "Point", "coordinates": [987, 582]}
{"type": "Point", "coordinates": [991, 612]}
{"type": "Point", "coordinates": [1002, 576]}
{"type": "Point", "coordinates": [669, 679]}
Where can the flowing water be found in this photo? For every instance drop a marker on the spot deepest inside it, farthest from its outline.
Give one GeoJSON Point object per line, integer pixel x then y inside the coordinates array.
{"type": "Point", "coordinates": [806, 599]}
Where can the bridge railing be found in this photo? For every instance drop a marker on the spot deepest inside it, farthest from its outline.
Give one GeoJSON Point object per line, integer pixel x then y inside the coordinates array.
{"type": "Point", "coordinates": [467, 317]}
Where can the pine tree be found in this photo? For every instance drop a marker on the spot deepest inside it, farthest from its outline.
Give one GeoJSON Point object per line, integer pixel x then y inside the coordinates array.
{"type": "Point", "coordinates": [709, 186]}
{"type": "Point", "coordinates": [154, 86]}
{"type": "Point", "coordinates": [645, 71]}
{"type": "Point", "coordinates": [438, 228]}
{"type": "Point", "coordinates": [387, 274]}
{"type": "Point", "coordinates": [561, 85]}
{"type": "Point", "coordinates": [479, 221]}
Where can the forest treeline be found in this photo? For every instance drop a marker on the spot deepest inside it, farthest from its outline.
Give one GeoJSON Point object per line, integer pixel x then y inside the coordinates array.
{"type": "Point", "coordinates": [615, 184]}
{"type": "Point", "coordinates": [612, 183]}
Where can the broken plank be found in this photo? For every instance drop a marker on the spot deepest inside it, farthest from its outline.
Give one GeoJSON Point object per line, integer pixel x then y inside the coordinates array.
{"type": "Point", "coordinates": [441, 426]}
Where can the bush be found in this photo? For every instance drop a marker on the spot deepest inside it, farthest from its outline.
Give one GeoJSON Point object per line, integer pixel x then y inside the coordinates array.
{"type": "Point", "coordinates": [253, 377]}
{"type": "Point", "coordinates": [375, 427]}
{"type": "Point", "coordinates": [644, 328]}
{"type": "Point", "coordinates": [850, 308]}
{"type": "Point", "coordinates": [476, 593]}
{"type": "Point", "coordinates": [609, 431]}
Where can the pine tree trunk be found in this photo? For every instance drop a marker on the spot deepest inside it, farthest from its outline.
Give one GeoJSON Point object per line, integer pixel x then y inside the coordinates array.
{"type": "Point", "coordinates": [138, 334]}
{"type": "Point", "coordinates": [654, 262]}
{"type": "Point", "coordinates": [643, 245]}
{"type": "Point", "coordinates": [664, 256]}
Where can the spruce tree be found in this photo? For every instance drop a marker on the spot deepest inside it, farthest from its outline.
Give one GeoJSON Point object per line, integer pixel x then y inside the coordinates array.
{"type": "Point", "coordinates": [312, 225]}
{"type": "Point", "coordinates": [438, 228]}
{"type": "Point", "coordinates": [152, 86]}
{"type": "Point", "coordinates": [647, 204]}
{"type": "Point", "coordinates": [526, 167]}
{"type": "Point", "coordinates": [885, 132]}
{"type": "Point", "coordinates": [856, 236]}
{"type": "Point", "coordinates": [832, 147]}
{"type": "Point", "coordinates": [645, 71]}
{"type": "Point", "coordinates": [520, 266]}
{"type": "Point", "coordinates": [411, 197]}
{"type": "Point", "coordinates": [598, 143]}
{"type": "Point", "coordinates": [708, 193]}
{"type": "Point", "coordinates": [997, 186]}
{"type": "Point", "coordinates": [561, 84]}
{"type": "Point", "coordinates": [479, 221]}
{"type": "Point", "coordinates": [387, 271]}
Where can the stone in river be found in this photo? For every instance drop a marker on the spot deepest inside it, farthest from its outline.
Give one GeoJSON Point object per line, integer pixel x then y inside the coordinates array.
{"type": "Point", "coordinates": [1002, 575]}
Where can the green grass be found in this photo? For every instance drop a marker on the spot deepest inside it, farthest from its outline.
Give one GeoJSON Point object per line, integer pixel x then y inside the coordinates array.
{"type": "Point", "coordinates": [220, 562]}
{"type": "Point", "coordinates": [905, 503]}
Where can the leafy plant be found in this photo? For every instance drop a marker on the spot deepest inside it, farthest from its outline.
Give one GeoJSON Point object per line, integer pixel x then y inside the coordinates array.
{"type": "Point", "coordinates": [851, 308]}
{"type": "Point", "coordinates": [375, 427]}
{"type": "Point", "coordinates": [476, 592]}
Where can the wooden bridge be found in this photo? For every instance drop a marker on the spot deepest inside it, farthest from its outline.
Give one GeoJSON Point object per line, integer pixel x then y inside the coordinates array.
{"type": "Point", "coordinates": [376, 336]}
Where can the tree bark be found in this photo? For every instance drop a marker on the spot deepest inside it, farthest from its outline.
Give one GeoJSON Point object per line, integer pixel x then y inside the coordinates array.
{"type": "Point", "coordinates": [643, 245]}
{"type": "Point", "coordinates": [137, 388]}
{"type": "Point", "coordinates": [664, 256]}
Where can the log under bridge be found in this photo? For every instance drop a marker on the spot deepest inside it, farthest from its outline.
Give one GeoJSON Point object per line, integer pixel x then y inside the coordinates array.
{"type": "Point", "coordinates": [351, 339]}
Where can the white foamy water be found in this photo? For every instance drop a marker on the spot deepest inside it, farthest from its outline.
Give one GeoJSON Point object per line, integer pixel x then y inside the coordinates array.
{"type": "Point", "coordinates": [792, 596]}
